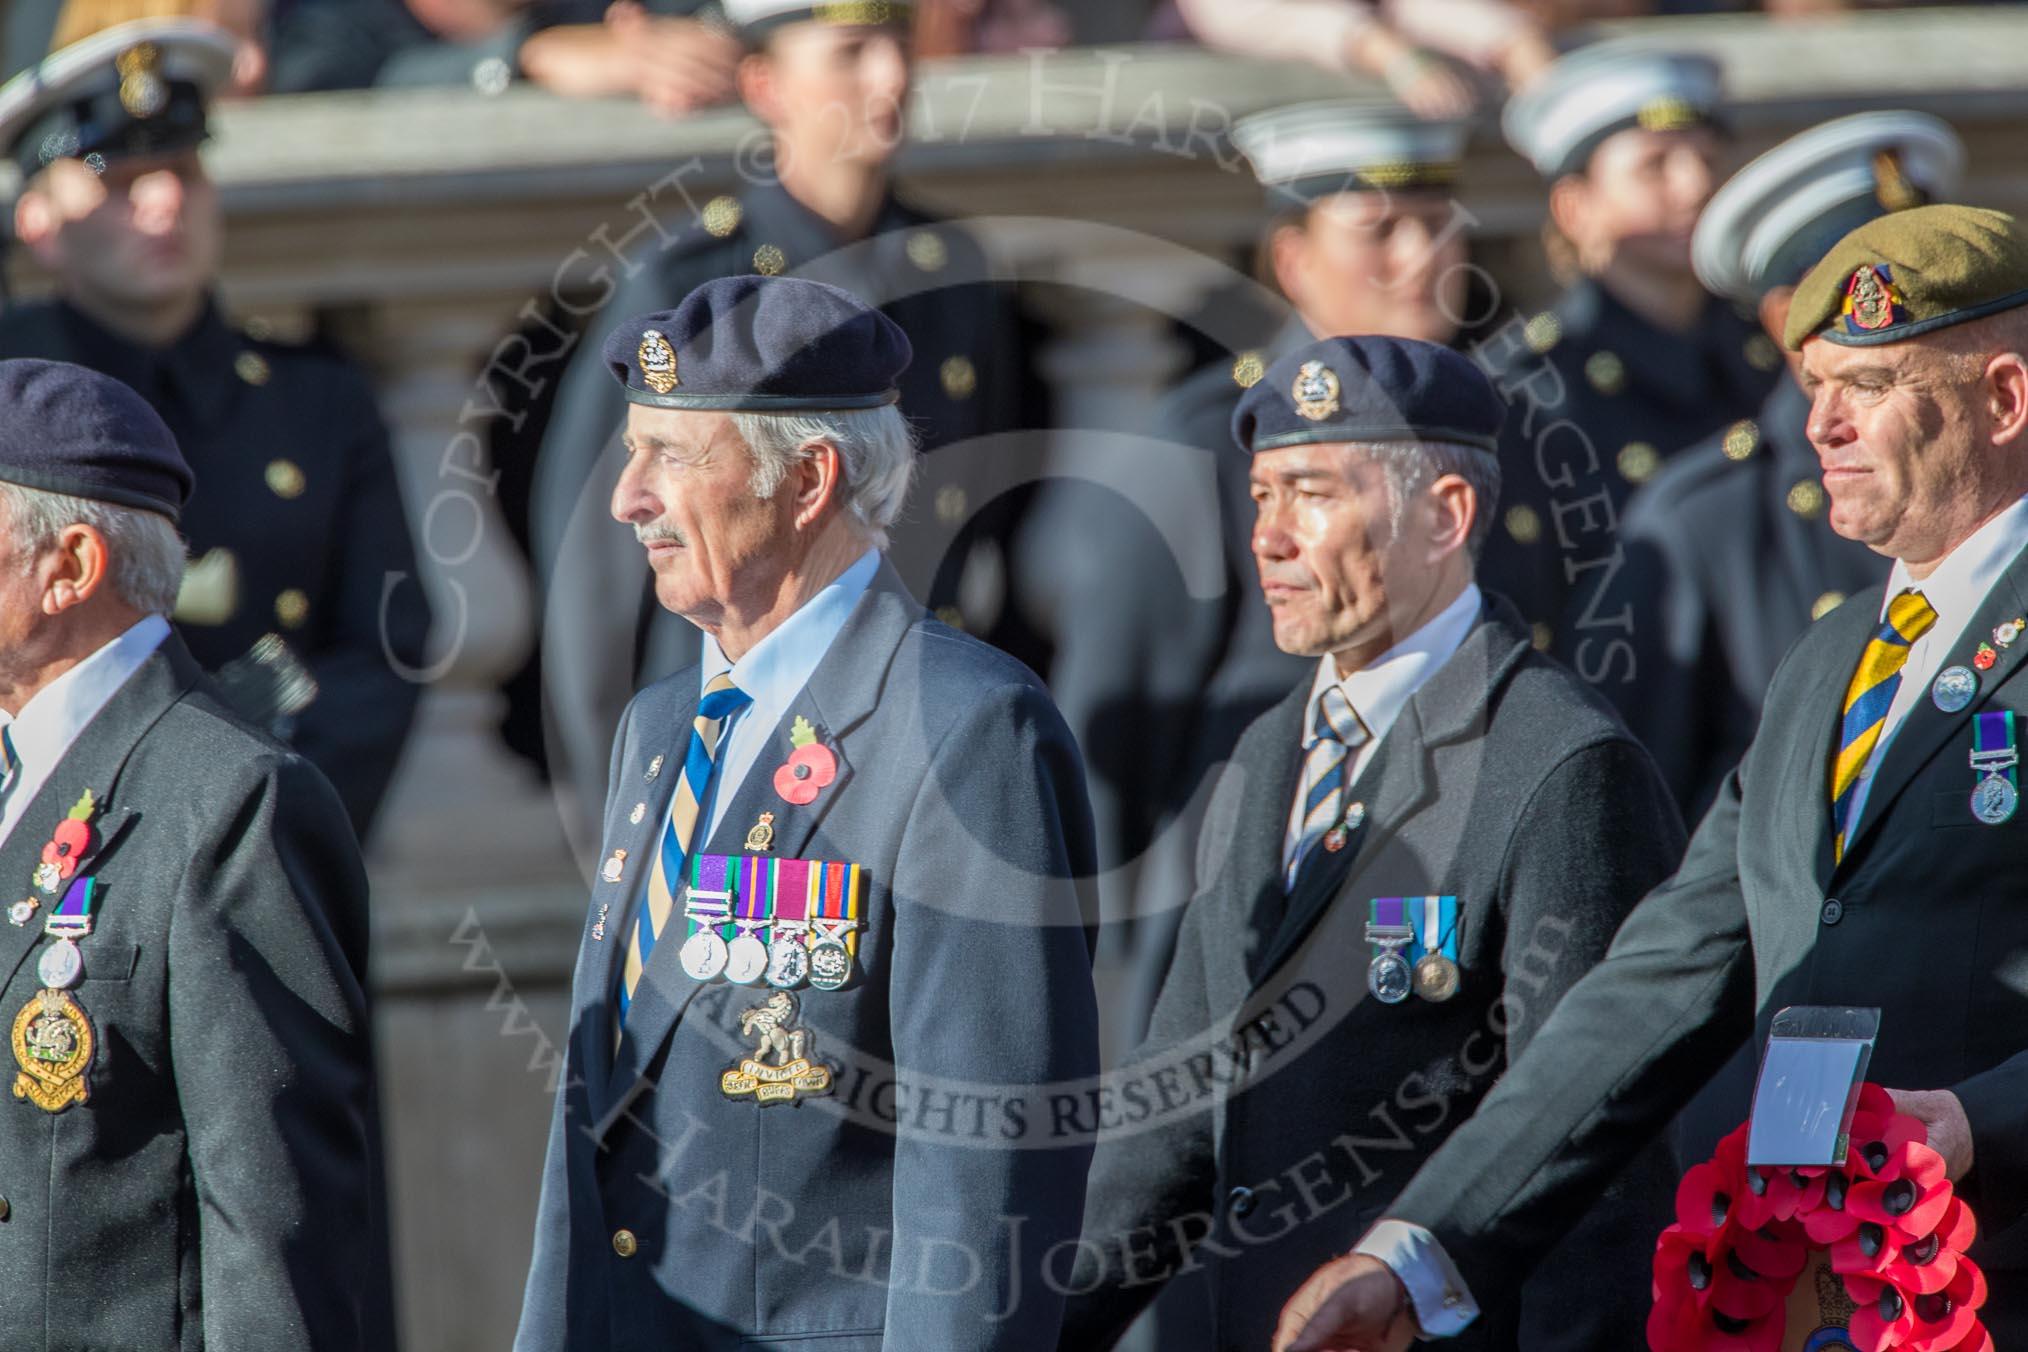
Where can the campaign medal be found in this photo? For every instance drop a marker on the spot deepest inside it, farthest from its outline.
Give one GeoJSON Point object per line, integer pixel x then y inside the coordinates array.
{"type": "Point", "coordinates": [61, 965]}
{"type": "Point", "coordinates": [1954, 689]}
{"type": "Point", "coordinates": [706, 903]}
{"type": "Point", "coordinates": [53, 1047]}
{"type": "Point", "coordinates": [1436, 969]}
{"type": "Point", "coordinates": [67, 846]}
{"type": "Point", "coordinates": [1994, 757]}
{"type": "Point", "coordinates": [796, 883]}
{"type": "Point", "coordinates": [1388, 975]}
{"type": "Point", "coordinates": [780, 1068]}
{"type": "Point", "coordinates": [835, 926]}
{"type": "Point", "coordinates": [753, 905]}
{"type": "Point", "coordinates": [761, 838]}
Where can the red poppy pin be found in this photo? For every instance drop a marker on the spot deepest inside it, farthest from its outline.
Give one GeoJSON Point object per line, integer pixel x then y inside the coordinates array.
{"type": "Point", "coordinates": [67, 846]}
{"type": "Point", "coordinates": [811, 766]}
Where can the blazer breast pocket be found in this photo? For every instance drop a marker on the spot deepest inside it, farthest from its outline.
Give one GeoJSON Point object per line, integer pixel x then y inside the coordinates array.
{"type": "Point", "coordinates": [109, 962]}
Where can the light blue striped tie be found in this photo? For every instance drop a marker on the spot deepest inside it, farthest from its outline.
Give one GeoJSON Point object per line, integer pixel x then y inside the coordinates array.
{"type": "Point", "coordinates": [1338, 732]}
{"type": "Point", "coordinates": [9, 761]}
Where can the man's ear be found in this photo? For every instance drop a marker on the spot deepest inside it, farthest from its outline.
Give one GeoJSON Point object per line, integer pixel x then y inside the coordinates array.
{"type": "Point", "coordinates": [1570, 207]}
{"type": "Point", "coordinates": [81, 568]}
{"type": "Point", "coordinates": [759, 89]}
{"type": "Point", "coordinates": [819, 482]}
{"type": "Point", "coordinates": [1287, 250]}
{"type": "Point", "coordinates": [2007, 396]}
{"type": "Point", "coordinates": [1456, 505]}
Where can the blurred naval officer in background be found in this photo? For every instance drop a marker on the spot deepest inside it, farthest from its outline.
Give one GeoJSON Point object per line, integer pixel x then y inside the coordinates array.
{"type": "Point", "coordinates": [831, 83]}
{"type": "Point", "coordinates": [1729, 552]}
{"type": "Point", "coordinates": [1636, 360]}
{"type": "Point", "coordinates": [1406, 862]}
{"type": "Point", "coordinates": [302, 553]}
{"type": "Point", "coordinates": [1162, 646]}
{"type": "Point", "coordinates": [847, 864]}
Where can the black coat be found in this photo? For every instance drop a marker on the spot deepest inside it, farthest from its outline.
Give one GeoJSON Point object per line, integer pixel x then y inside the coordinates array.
{"type": "Point", "coordinates": [295, 481]}
{"type": "Point", "coordinates": [1925, 918]}
{"type": "Point", "coordinates": [215, 1190]}
{"type": "Point", "coordinates": [1276, 1108]}
{"type": "Point", "coordinates": [1598, 400]}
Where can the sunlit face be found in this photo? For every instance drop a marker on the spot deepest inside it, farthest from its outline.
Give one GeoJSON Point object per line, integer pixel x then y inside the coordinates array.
{"type": "Point", "coordinates": [1897, 429]}
{"type": "Point", "coordinates": [143, 234]}
{"type": "Point", "coordinates": [837, 92]}
{"type": "Point", "coordinates": [1325, 546]}
{"type": "Point", "coordinates": [687, 492]}
{"type": "Point", "coordinates": [1639, 197]}
{"type": "Point", "coordinates": [1377, 263]}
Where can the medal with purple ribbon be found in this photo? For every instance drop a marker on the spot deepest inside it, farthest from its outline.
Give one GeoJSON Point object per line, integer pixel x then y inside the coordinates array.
{"type": "Point", "coordinates": [747, 955]}
{"type": "Point", "coordinates": [1389, 931]}
{"type": "Point", "coordinates": [706, 903]}
{"type": "Point", "coordinates": [1994, 758]}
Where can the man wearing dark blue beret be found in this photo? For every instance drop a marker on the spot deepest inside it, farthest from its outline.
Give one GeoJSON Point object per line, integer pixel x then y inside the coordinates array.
{"type": "Point", "coordinates": [186, 1150]}
{"type": "Point", "coordinates": [1403, 867]}
{"type": "Point", "coordinates": [298, 532]}
{"type": "Point", "coordinates": [834, 993]}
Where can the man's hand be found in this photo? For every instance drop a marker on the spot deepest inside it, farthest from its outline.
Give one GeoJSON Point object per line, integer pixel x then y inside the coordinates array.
{"type": "Point", "coordinates": [1950, 1131]}
{"type": "Point", "coordinates": [1351, 1304]}
{"type": "Point", "coordinates": [680, 65]}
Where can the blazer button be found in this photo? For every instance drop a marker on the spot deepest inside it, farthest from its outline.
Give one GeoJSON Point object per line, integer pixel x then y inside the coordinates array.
{"type": "Point", "coordinates": [624, 1243]}
{"type": "Point", "coordinates": [5, 1210]}
{"type": "Point", "coordinates": [1834, 911]}
{"type": "Point", "coordinates": [1241, 1202]}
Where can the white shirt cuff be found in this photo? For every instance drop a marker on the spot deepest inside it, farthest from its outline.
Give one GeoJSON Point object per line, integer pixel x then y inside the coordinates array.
{"type": "Point", "coordinates": [1442, 1302]}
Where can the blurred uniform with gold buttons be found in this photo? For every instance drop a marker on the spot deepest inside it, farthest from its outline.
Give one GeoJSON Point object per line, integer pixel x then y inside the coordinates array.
{"type": "Point", "coordinates": [1636, 360]}
{"type": "Point", "coordinates": [830, 83]}
{"type": "Point", "coordinates": [302, 591]}
{"type": "Point", "coordinates": [1729, 552]}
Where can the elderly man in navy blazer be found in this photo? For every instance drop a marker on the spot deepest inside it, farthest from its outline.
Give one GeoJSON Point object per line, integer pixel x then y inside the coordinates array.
{"type": "Point", "coordinates": [835, 978]}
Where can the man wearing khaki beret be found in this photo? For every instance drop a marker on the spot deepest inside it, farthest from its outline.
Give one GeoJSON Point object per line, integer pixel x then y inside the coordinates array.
{"type": "Point", "coordinates": [1866, 851]}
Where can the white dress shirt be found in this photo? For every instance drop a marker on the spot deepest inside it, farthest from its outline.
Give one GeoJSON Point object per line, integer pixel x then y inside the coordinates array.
{"type": "Point", "coordinates": [46, 726]}
{"type": "Point", "coordinates": [773, 673]}
{"type": "Point", "coordinates": [1956, 591]}
{"type": "Point", "coordinates": [1378, 692]}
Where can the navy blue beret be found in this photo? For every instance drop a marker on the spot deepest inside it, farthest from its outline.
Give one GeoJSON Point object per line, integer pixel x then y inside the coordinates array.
{"type": "Point", "coordinates": [1369, 389]}
{"type": "Point", "coordinates": [68, 429]}
{"type": "Point", "coordinates": [761, 345]}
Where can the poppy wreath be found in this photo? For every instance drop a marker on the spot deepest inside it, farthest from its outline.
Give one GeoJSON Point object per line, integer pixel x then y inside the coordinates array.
{"type": "Point", "coordinates": [1894, 1231]}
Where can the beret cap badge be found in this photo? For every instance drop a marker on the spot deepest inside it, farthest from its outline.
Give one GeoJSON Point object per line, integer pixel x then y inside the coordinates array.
{"type": "Point", "coordinates": [1871, 300]}
{"type": "Point", "coordinates": [142, 90]}
{"type": "Point", "coordinates": [1316, 391]}
{"type": "Point", "coordinates": [658, 362]}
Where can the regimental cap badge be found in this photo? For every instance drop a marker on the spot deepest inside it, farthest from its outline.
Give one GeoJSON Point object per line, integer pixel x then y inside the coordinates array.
{"type": "Point", "coordinates": [1316, 391]}
{"type": "Point", "coordinates": [1669, 113]}
{"type": "Point", "coordinates": [658, 362]}
{"type": "Point", "coordinates": [143, 93]}
{"type": "Point", "coordinates": [1872, 301]}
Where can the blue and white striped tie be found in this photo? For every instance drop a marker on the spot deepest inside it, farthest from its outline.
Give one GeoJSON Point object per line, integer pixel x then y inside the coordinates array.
{"type": "Point", "coordinates": [1338, 732]}
{"type": "Point", "coordinates": [9, 761]}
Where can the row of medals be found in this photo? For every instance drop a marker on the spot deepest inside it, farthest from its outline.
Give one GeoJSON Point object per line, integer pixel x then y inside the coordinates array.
{"type": "Point", "coordinates": [1389, 976]}
{"type": "Point", "coordinates": [785, 963]}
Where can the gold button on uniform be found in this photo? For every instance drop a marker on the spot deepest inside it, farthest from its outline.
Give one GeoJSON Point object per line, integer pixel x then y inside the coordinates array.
{"type": "Point", "coordinates": [252, 367]}
{"type": "Point", "coordinates": [722, 216]}
{"type": "Point", "coordinates": [960, 377]}
{"type": "Point", "coordinates": [1826, 603]}
{"type": "Point", "coordinates": [1606, 372]}
{"type": "Point", "coordinates": [292, 608]}
{"type": "Point", "coordinates": [769, 261]}
{"type": "Point", "coordinates": [952, 616]}
{"type": "Point", "coordinates": [1247, 369]}
{"type": "Point", "coordinates": [624, 1243]}
{"type": "Point", "coordinates": [1541, 635]}
{"type": "Point", "coordinates": [1543, 332]}
{"type": "Point", "coordinates": [1638, 462]}
{"type": "Point", "coordinates": [1742, 439]}
{"type": "Point", "coordinates": [285, 478]}
{"type": "Point", "coordinates": [1806, 499]}
{"type": "Point", "coordinates": [5, 1209]}
{"type": "Point", "coordinates": [926, 249]}
{"type": "Point", "coordinates": [1523, 524]}
{"type": "Point", "coordinates": [1762, 354]}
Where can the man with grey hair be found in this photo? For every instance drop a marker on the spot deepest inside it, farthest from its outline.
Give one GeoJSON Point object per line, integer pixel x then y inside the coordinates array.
{"type": "Point", "coordinates": [1402, 868]}
{"type": "Point", "coordinates": [876, 825]}
{"type": "Point", "coordinates": [187, 1154]}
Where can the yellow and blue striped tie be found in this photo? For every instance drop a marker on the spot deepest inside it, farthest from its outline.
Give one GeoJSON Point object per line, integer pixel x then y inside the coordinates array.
{"type": "Point", "coordinates": [722, 699]}
{"type": "Point", "coordinates": [1867, 700]}
{"type": "Point", "coordinates": [1338, 730]}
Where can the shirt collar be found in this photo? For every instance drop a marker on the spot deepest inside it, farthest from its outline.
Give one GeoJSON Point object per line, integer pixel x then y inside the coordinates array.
{"type": "Point", "coordinates": [775, 670]}
{"type": "Point", "coordinates": [1381, 689]}
{"type": "Point", "coordinates": [46, 726]}
{"type": "Point", "coordinates": [1960, 583]}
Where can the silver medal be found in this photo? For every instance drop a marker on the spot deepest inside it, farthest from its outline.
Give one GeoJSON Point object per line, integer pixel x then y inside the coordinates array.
{"type": "Point", "coordinates": [704, 955]}
{"type": "Point", "coordinates": [1954, 689]}
{"type": "Point", "coordinates": [788, 963]}
{"type": "Point", "coordinates": [830, 964]}
{"type": "Point", "coordinates": [746, 960]}
{"type": "Point", "coordinates": [1389, 977]}
{"type": "Point", "coordinates": [61, 965]}
{"type": "Point", "coordinates": [1994, 801]}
